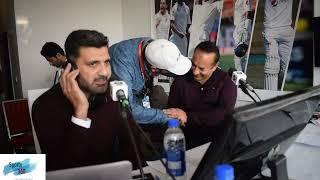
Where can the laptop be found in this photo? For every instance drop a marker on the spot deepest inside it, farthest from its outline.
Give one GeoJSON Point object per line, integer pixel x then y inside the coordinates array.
{"type": "Point", "coordinates": [112, 171]}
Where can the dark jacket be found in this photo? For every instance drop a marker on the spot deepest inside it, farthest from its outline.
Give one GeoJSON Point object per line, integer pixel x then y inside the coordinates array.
{"type": "Point", "coordinates": [205, 105]}
{"type": "Point", "coordinates": [68, 145]}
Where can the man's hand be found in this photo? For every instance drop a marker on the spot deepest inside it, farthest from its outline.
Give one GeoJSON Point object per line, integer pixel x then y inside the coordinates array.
{"type": "Point", "coordinates": [177, 113]}
{"type": "Point", "coordinates": [72, 91]}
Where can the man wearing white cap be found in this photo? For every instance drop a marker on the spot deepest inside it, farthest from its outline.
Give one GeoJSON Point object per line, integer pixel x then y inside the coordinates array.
{"type": "Point", "coordinates": [137, 61]}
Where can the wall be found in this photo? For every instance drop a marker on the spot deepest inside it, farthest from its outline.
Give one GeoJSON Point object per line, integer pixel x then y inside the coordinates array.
{"type": "Point", "coordinates": [136, 18]}
{"type": "Point", "coordinates": [39, 21]}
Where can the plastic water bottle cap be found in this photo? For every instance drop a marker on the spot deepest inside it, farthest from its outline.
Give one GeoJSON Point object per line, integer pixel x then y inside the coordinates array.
{"type": "Point", "coordinates": [224, 171]}
{"type": "Point", "coordinates": [173, 123]}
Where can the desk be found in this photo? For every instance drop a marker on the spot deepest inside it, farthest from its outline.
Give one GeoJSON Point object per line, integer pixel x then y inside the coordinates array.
{"type": "Point", "coordinates": [193, 158]}
{"type": "Point", "coordinates": [303, 157]}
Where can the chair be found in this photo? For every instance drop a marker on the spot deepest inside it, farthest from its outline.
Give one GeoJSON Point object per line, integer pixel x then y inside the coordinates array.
{"type": "Point", "coordinates": [33, 94]}
{"type": "Point", "coordinates": [17, 118]}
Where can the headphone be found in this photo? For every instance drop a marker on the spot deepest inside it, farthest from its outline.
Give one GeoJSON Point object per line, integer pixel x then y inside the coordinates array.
{"type": "Point", "coordinates": [73, 64]}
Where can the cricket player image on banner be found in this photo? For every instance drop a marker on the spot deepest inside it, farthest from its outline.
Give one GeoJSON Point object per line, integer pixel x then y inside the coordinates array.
{"type": "Point", "coordinates": [235, 33]}
{"type": "Point", "coordinates": [271, 43]}
{"type": "Point", "coordinates": [181, 12]}
{"type": "Point", "coordinates": [205, 14]}
{"type": "Point", "coordinates": [278, 35]}
{"type": "Point", "coordinates": [162, 19]}
{"type": "Point", "coordinates": [242, 20]}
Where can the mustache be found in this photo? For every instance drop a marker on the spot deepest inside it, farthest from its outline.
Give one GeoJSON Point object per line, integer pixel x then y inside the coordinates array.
{"type": "Point", "coordinates": [104, 78]}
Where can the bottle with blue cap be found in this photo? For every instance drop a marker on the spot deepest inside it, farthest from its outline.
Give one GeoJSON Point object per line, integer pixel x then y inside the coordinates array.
{"type": "Point", "coordinates": [174, 145]}
{"type": "Point", "coordinates": [223, 172]}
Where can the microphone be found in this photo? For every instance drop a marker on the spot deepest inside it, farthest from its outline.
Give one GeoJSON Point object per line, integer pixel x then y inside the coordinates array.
{"type": "Point", "coordinates": [119, 92]}
{"type": "Point", "coordinates": [239, 78]}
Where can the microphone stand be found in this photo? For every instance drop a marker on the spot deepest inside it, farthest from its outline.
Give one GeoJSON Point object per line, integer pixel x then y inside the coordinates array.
{"type": "Point", "coordinates": [124, 116]}
{"type": "Point", "coordinates": [124, 108]}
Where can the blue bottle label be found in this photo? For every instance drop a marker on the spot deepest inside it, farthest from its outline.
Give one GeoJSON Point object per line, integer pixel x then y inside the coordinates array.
{"type": "Point", "coordinates": [175, 156]}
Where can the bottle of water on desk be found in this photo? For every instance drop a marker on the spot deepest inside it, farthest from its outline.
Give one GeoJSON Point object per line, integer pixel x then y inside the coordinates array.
{"type": "Point", "coordinates": [174, 145]}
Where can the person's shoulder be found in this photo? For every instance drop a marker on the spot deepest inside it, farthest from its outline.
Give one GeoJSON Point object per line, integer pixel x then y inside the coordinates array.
{"type": "Point", "coordinates": [186, 6]}
{"type": "Point", "coordinates": [186, 78]}
{"type": "Point", "coordinates": [175, 6]}
{"type": "Point", "coordinates": [221, 71]}
{"type": "Point", "coordinates": [127, 42]}
{"type": "Point", "coordinates": [51, 96]}
{"type": "Point", "coordinates": [157, 14]}
{"type": "Point", "coordinates": [224, 76]}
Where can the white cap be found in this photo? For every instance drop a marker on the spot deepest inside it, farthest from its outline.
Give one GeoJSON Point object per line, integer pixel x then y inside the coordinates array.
{"type": "Point", "coordinates": [163, 54]}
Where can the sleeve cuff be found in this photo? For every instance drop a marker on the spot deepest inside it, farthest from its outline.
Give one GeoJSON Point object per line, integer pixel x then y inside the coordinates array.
{"type": "Point", "coordinates": [80, 122]}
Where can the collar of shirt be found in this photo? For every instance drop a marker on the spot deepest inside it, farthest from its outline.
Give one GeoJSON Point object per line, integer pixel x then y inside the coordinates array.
{"type": "Point", "coordinates": [143, 63]}
{"type": "Point", "coordinates": [166, 13]}
{"type": "Point", "coordinates": [215, 75]}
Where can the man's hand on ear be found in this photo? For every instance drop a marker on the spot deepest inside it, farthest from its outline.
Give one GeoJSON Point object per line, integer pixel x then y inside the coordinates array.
{"type": "Point", "coordinates": [73, 92]}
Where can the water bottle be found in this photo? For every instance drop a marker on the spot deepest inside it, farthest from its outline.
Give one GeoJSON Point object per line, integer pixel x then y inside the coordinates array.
{"type": "Point", "coordinates": [223, 172]}
{"type": "Point", "coordinates": [174, 146]}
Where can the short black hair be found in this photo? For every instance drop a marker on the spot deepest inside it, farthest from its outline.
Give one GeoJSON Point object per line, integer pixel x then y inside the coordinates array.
{"type": "Point", "coordinates": [83, 38]}
{"type": "Point", "coordinates": [208, 47]}
{"type": "Point", "coordinates": [51, 49]}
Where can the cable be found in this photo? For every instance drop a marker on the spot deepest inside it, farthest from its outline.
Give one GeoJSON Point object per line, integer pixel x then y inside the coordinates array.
{"type": "Point", "coordinates": [252, 98]}
{"type": "Point", "coordinates": [256, 95]}
{"type": "Point", "coordinates": [124, 117]}
{"type": "Point", "coordinates": [244, 89]}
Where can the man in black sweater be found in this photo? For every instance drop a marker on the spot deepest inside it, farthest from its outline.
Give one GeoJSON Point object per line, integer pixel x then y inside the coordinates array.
{"type": "Point", "coordinates": [77, 124]}
{"type": "Point", "coordinates": [201, 98]}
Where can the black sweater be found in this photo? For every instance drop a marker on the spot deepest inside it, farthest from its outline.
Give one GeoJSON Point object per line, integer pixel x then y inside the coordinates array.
{"type": "Point", "coordinates": [206, 105]}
